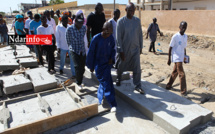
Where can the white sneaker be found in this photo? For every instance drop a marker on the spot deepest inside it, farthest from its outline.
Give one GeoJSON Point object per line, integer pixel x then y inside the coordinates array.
{"type": "Point", "coordinates": [80, 87]}
{"type": "Point", "coordinates": [113, 109]}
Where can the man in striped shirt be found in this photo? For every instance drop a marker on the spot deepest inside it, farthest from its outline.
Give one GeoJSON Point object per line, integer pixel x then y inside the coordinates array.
{"type": "Point", "coordinates": [75, 40]}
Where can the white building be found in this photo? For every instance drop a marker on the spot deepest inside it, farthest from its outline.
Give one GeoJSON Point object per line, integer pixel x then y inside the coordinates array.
{"type": "Point", "coordinates": [175, 4]}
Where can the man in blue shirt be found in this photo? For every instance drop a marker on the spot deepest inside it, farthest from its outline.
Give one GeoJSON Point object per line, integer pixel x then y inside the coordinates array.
{"type": "Point", "coordinates": [101, 57]}
{"type": "Point", "coordinates": [75, 40]}
{"type": "Point", "coordinates": [19, 25]}
{"type": "Point", "coordinates": [34, 24]}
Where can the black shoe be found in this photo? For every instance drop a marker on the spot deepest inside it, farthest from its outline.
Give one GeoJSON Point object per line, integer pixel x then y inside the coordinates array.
{"type": "Point", "coordinates": [61, 71]}
{"type": "Point", "coordinates": [140, 90]}
{"type": "Point", "coordinates": [118, 82]}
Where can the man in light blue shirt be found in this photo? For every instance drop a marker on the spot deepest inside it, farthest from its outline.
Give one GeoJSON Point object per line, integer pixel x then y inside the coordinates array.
{"type": "Point", "coordinates": [34, 24]}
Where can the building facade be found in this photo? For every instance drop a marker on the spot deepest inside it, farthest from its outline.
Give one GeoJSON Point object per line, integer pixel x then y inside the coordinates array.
{"type": "Point", "coordinates": [175, 4]}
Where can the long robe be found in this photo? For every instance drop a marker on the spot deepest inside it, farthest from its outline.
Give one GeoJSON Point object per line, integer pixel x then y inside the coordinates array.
{"type": "Point", "coordinates": [100, 52]}
{"type": "Point", "coordinates": [130, 41]}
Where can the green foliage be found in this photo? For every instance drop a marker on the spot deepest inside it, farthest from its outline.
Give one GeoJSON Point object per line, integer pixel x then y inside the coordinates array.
{"type": "Point", "coordinates": [2, 13]}
{"type": "Point", "coordinates": [15, 11]}
{"type": "Point", "coordinates": [53, 2]}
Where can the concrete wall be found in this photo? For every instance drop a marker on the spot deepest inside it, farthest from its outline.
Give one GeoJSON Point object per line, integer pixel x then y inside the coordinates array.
{"type": "Point", "coordinates": [192, 5]}
{"type": "Point", "coordinates": [200, 22]}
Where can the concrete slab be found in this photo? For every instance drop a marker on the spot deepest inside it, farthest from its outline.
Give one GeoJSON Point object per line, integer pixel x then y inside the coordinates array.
{"type": "Point", "coordinates": [60, 102]}
{"type": "Point", "coordinates": [88, 74]}
{"type": "Point", "coordinates": [25, 112]}
{"type": "Point", "coordinates": [126, 120]}
{"type": "Point", "coordinates": [41, 79]}
{"type": "Point", "coordinates": [8, 64]}
{"type": "Point", "coordinates": [28, 62]}
{"type": "Point", "coordinates": [15, 83]}
{"type": "Point", "coordinates": [172, 112]}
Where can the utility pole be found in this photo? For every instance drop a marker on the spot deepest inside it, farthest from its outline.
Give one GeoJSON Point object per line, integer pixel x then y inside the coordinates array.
{"type": "Point", "coordinates": [11, 11]}
{"type": "Point", "coordinates": [114, 4]}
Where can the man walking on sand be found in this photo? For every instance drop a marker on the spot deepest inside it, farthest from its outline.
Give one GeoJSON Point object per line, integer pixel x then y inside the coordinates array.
{"type": "Point", "coordinates": [129, 46]}
{"type": "Point", "coordinates": [152, 32]}
{"type": "Point", "coordinates": [177, 50]}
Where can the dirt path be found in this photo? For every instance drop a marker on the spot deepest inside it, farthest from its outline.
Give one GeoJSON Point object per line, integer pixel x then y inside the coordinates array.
{"type": "Point", "coordinates": [200, 73]}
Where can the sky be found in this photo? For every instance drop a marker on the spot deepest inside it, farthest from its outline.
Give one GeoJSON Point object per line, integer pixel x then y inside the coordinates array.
{"type": "Point", "coordinates": [6, 4]}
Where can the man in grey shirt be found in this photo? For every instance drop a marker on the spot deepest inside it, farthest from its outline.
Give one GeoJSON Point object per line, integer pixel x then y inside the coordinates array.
{"type": "Point", "coordinates": [129, 46]}
{"type": "Point", "coordinates": [152, 32]}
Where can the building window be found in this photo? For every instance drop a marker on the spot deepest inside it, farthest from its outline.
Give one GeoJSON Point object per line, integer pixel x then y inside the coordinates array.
{"type": "Point", "coordinates": [174, 9]}
{"type": "Point", "coordinates": [183, 8]}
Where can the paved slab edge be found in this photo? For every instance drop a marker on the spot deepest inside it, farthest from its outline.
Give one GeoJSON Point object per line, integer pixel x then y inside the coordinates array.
{"type": "Point", "coordinates": [144, 103]}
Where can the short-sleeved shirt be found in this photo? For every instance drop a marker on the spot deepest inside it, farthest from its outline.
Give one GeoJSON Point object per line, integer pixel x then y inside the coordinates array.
{"type": "Point", "coordinates": [19, 25]}
{"type": "Point", "coordinates": [96, 22]}
{"type": "Point", "coordinates": [41, 30]}
{"type": "Point", "coordinates": [75, 39]}
{"type": "Point", "coordinates": [34, 25]}
{"type": "Point", "coordinates": [27, 24]}
{"type": "Point", "coordinates": [178, 44]}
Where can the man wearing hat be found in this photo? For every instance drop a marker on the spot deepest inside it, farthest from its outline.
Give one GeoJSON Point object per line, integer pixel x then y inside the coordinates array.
{"type": "Point", "coordinates": [19, 25]}
{"type": "Point", "coordinates": [75, 40]}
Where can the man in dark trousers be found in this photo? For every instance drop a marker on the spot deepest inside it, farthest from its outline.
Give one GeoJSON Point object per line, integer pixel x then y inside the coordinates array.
{"type": "Point", "coordinates": [95, 22]}
{"type": "Point", "coordinates": [177, 50]}
{"type": "Point", "coordinates": [75, 40]}
{"type": "Point", "coordinates": [152, 32]}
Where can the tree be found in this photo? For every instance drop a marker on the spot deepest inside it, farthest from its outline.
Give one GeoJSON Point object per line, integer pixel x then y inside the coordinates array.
{"type": "Point", "coordinates": [2, 13]}
{"type": "Point", "coordinates": [53, 2]}
{"type": "Point", "coordinates": [15, 11]}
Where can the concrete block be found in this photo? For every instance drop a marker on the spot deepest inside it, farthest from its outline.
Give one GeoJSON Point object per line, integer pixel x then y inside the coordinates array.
{"type": "Point", "coordinates": [15, 83]}
{"type": "Point", "coordinates": [41, 79]}
{"type": "Point", "coordinates": [174, 113]}
{"type": "Point", "coordinates": [88, 74]}
{"type": "Point", "coordinates": [8, 64]}
{"type": "Point", "coordinates": [28, 62]}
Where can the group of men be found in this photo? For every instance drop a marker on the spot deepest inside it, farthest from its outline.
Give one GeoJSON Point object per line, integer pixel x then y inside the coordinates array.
{"type": "Point", "coordinates": [94, 42]}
